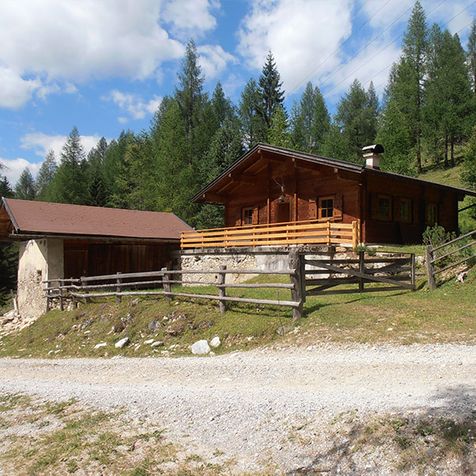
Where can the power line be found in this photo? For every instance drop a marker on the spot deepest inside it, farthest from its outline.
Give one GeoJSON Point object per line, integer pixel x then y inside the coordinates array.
{"type": "Point", "coordinates": [387, 45]}
{"type": "Point", "coordinates": [365, 46]}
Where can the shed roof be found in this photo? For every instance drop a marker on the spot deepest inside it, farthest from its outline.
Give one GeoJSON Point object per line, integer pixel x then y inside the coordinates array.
{"type": "Point", "coordinates": [44, 218]}
{"type": "Point", "coordinates": [250, 156]}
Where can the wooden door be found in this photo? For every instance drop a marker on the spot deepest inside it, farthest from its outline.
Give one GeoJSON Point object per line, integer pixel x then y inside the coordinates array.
{"type": "Point", "coordinates": [283, 213]}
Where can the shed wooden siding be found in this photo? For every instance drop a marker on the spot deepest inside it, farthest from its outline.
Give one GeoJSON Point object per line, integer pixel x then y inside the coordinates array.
{"type": "Point", "coordinates": [84, 258]}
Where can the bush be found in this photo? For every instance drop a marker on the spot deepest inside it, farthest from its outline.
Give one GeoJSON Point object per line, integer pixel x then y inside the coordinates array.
{"type": "Point", "coordinates": [436, 235]}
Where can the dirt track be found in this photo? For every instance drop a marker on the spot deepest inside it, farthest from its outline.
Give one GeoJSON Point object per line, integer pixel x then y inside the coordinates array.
{"type": "Point", "coordinates": [246, 403]}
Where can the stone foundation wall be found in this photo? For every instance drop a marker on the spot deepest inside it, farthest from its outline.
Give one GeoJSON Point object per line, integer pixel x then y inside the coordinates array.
{"type": "Point", "coordinates": [39, 260]}
{"type": "Point", "coordinates": [243, 259]}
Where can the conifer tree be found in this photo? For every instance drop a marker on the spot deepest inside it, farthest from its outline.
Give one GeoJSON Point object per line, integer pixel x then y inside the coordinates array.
{"type": "Point", "coordinates": [270, 90]}
{"type": "Point", "coordinates": [25, 187]}
{"type": "Point", "coordinates": [310, 121]}
{"type": "Point", "coordinates": [69, 184]}
{"type": "Point", "coordinates": [45, 175]}
{"type": "Point", "coordinates": [356, 120]}
{"type": "Point", "coordinates": [278, 133]}
{"type": "Point", "coordinates": [253, 128]}
{"type": "Point", "coordinates": [471, 55]}
{"type": "Point", "coordinates": [5, 187]}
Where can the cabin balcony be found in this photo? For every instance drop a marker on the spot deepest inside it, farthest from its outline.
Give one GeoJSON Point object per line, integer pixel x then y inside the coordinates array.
{"type": "Point", "coordinates": [310, 232]}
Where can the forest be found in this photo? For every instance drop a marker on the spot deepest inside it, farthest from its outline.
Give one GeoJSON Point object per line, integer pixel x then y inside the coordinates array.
{"type": "Point", "coordinates": [426, 118]}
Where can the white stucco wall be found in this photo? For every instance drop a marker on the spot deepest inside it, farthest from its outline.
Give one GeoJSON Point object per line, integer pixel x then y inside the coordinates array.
{"type": "Point", "coordinates": [38, 260]}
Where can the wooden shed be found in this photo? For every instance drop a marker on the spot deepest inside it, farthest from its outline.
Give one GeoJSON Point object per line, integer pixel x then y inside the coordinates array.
{"type": "Point", "coordinates": [273, 195]}
{"type": "Point", "coordinates": [69, 241]}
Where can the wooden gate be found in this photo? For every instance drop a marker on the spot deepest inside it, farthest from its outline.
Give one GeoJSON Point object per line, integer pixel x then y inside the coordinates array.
{"type": "Point", "coordinates": [388, 272]}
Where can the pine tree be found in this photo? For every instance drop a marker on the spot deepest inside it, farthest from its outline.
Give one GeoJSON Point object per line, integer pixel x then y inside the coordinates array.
{"type": "Point", "coordinates": [97, 190]}
{"type": "Point", "coordinates": [310, 121]}
{"type": "Point", "coordinates": [270, 90]}
{"type": "Point", "coordinates": [471, 55]}
{"type": "Point", "coordinates": [46, 174]}
{"type": "Point", "coordinates": [253, 128]}
{"type": "Point", "coordinates": [221, 106]}
{"type": "Point", "coordinates": [5, 188]}
{"type": "Point", "coordinates": [278, 133]}
{"type": "Point", "coordinates": [25, 187]}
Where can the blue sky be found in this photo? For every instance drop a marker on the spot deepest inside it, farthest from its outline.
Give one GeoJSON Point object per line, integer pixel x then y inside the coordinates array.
{"type": "Point", "coordinates": [105, 65]}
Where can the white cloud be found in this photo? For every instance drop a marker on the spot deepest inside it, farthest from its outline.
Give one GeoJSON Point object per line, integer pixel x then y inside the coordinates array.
{"type": "Point", "coordinates": [40, 143]}
{"type": "Point", "coordinates": [213, 60]}
{"type": "Point", "coordinates": [300, 33]}
{"type": "Point", "coordinates": [14, 90]}
{"type": "Point", "coordinates": [133, 104]}
{"type": "Point", "coordinates": [43, 42]}
{"type": "Point", "coordinates": [190, 17]}
{"type": "Point", "coordinates": [12, 168]}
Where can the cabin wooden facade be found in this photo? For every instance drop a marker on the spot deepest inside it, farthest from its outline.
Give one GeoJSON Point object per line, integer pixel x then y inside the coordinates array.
{"type": "Point", "coordinates": [272, 185]}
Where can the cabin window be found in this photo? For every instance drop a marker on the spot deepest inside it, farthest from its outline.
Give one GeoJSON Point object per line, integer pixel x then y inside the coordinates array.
{"type": "Point", "coordinates": [405, 210]}
{"type": "Point", "coordinates": [249, 216]}
{"type": "Point", "coordinates": [384, 207]}
{"type": "Point", "coordinates": [326, 207]}
{"type": "Point", "coordinates": [431, 214]}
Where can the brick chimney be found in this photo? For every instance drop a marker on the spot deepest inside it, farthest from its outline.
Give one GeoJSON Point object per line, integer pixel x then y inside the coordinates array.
{"type": "Point", "coordinates": [371, 154]}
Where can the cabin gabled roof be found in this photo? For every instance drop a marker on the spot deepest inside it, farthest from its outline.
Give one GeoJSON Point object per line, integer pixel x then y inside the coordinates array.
{"type": "Point", "coordinates": [26, 218]}
{"type": "Point", "coordinates": [315, 159]}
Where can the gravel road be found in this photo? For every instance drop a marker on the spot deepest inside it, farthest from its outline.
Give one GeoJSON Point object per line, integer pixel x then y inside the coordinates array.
{"type": "Point", "coordinates": [245, 404]}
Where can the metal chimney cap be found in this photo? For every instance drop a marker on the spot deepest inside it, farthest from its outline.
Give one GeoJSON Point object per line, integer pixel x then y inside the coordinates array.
{"type": "Point", "coordinates": [375, 148]}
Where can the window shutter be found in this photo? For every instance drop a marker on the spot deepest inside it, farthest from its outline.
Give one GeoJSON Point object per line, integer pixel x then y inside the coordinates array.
{"type": "Point", "coordinates": [338, 205]}
{"type": "Point", "coordinates": [255, 217]}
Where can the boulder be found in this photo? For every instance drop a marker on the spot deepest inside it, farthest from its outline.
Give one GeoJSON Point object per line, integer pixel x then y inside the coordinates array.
{"type": "Point", "coordinates": [200, 347]}
{"type": "Point", "coordinates": [101, 344]}
{"type": "Point", "coordinates": [122, 343]}
{"type": "Point", "coordinates": [215, 342]}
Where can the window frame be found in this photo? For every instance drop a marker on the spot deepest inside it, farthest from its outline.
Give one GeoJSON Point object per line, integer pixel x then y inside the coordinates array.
{"type": "Point", "coordinates": [320, 208]}
{"type": "Point", "coordinates": [434, 207]}
{"type": "Point", "coordinates": [244, 210]}
{"type": "Point", "coordinates": [409, 201]}
{"type": "Point", "coordinates": [388, 216]}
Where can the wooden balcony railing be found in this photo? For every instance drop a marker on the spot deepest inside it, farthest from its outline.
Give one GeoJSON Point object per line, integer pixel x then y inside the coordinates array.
{"type": "Point", "coordinates": [313, 232]}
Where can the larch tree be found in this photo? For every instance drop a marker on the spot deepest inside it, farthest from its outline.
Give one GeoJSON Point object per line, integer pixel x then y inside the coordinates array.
{"type": "Point", "coordinates": [25, 187]}
{"type": "Point", "coordinates": [253, 128]}
{"type": "Point", "coordinates": [46, 175]}
{"type": "Point", "coordinates": [278, 133]}
{"type": "Point", "coordinates": [310, 121]}
{"type": "Point", "coordinates": [471, 55]}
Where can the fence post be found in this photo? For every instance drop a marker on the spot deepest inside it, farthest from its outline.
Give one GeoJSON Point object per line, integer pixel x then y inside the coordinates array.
{"type": "Point", "coordinates": [60, 285]}
{"type": "Point", "coordinates": [302, 267]}
{"type": "Point", "coordinates": [296, 280]}
{"type": "Point", "coordinates": [166, 284]}
{"type": "Point", "coordinates": [86, 299]}
{"type": "Point", "coordinates": [361, 270]}
{"type": "Point", "coordinates": [118, 288]}
{"type": "Point", "coordinates": [413, 271]}
{"type": "Point", "coordinates": [221, 288]}
{"type": "Point", "coordinates": [430, 270]}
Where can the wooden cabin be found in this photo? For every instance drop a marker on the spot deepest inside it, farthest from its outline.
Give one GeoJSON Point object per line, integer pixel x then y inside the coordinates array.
{"type": "Point", "coordinates": [69, 241]}
{"type": "Point", "coordinates": [293, 197]}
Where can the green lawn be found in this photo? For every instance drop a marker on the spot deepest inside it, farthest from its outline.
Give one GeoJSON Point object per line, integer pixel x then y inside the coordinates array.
{"type": "Point", "coordinates": [445, 315]}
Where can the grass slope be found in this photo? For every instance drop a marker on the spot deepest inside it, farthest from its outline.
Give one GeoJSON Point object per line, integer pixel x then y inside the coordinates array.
{"type": "Point", "coordinates": [444, 315]}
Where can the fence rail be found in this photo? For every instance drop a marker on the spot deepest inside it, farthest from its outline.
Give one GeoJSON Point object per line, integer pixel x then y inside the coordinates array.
{"type": "Point", "coordinates": [307, 277]}
{"type": "Point", "coordinates": [292, 233]}
{"type": "Point", "coordinates": [126, 284]}
{"type": "Point", "coordinates": [439, 258]}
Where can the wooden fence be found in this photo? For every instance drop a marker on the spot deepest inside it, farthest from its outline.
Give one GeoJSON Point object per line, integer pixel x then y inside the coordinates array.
{"type": "Point", "coordinates": [292, 233]}
{"type": "Point", "coordinates": [390, 272]}
{"type": "Point", "coordinates": [308, 277]}
{"type": "Point", "coordinates": [159, 283]}
{"type": "Point", "coordinates": [446, 257]}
